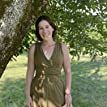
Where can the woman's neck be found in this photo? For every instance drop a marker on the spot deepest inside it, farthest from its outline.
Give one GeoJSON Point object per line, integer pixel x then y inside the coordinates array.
{"type": "Point", "coordinates": [48, 43]}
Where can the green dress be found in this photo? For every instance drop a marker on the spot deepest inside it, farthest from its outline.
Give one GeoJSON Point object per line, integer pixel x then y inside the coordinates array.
{"type": "Point", "coordinates": [47, 87]}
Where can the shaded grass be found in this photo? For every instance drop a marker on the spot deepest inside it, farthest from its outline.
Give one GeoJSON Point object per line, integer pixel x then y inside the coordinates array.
{"type": "Point", "coordinates": [89, 83]}
{"type": "Point", "coordinates": [13, 82]}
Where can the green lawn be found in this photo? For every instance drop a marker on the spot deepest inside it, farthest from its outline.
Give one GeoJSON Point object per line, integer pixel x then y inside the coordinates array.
{"type": "Point", "coordinates": [89, 83]}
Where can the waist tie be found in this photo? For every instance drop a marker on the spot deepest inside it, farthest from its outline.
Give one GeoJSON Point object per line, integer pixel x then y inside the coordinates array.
{"type": "Point", "coordinates": [47, 76]}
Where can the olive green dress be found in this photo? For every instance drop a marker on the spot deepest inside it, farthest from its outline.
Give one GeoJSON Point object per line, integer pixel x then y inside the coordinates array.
{"type": "Point", "coordinates": [47, 87]}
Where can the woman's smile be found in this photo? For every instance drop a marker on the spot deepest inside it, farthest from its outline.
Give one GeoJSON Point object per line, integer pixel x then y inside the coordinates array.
{"type": "Point", "coordinates": [45, 30]}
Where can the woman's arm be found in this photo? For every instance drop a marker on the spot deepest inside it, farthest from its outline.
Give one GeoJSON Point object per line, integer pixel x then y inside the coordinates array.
{"type": "Point", "coordinates": [67, 69]}
{"type": "Point", "coordinates": [30, 70]}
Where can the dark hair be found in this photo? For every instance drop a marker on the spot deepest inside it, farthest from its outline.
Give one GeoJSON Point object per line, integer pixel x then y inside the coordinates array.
{"type": "Point", "coordinates": [43, 17]}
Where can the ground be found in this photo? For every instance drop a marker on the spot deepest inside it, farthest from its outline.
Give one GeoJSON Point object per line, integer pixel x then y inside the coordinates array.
{"type": "Point", "coordinates": [89, 83]}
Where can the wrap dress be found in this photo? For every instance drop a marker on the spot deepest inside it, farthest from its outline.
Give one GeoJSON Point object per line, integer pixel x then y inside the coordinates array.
{"type": "Point", "coordinates": [47, 87]}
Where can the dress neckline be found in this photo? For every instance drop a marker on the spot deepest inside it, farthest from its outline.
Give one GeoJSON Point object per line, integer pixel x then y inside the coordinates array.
{"type": "Point", "coordinates": [51, 54]}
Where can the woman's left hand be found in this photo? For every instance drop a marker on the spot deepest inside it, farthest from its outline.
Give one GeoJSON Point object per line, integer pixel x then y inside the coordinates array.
{"type": "Point", "coordinates": [68, 100]}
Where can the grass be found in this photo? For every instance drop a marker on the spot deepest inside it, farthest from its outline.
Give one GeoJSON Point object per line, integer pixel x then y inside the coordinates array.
{"type": "Point", "coordinates": [89, 83]}
{"type": "Point", "coordinates": [12, 84]}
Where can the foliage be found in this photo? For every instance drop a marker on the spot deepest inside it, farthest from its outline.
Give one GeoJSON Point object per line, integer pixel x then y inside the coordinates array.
{"type": "Point", "coordinates": [28, 40]}
{"type": "Point", "coordinates": [82, 24]}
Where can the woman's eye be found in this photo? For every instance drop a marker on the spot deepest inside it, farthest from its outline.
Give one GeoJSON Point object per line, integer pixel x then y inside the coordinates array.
{"type": "Point", "coordinates": [40, 28]}
{"type": "Point", "coordinates": [47, 26]}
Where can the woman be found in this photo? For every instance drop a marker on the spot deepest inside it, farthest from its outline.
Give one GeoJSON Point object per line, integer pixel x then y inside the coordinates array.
{"type": "Point", "coordinates": [44, 87]}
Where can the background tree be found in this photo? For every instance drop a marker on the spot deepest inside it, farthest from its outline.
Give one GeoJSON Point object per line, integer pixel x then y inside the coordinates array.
{"type": "Point", "coordinates": [82, 24]}
{"type": "Point", "coordinates": [16, 17]}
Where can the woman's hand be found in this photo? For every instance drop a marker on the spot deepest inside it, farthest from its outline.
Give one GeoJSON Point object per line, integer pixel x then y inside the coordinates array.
{"type": "Point", "coordinates": [68, 100]}
{"type": "Point", "coordinates": [29, 102]}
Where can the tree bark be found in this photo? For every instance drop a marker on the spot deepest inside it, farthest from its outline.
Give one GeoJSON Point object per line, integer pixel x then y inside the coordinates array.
{"type": "Point", "coordinates": [15, 20]}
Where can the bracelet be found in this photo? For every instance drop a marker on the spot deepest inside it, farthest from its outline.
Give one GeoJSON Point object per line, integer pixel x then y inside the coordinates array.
{"type": "Point", "coordinates": [67, 93]}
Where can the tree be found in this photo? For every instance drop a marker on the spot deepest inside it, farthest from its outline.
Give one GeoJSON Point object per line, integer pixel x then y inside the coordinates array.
{"type": "Point", "coordinates": [16, 17]}
{"type": "Point", "coordinates": [82, 24]}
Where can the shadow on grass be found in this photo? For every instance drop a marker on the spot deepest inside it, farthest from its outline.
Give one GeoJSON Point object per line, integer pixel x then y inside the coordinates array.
{"type": "Point", "coordinates": [17, 65]}
{"type": "Point", "coordinates": [89, 84]}
{"type": "Point", "coordinates": [20, 61]}
{"type": "Point", "coordinates": [12, 93]}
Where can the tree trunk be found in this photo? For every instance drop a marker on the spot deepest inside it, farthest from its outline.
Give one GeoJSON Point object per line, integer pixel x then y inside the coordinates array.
{"type": "Point", "coordinates": [16, 17]}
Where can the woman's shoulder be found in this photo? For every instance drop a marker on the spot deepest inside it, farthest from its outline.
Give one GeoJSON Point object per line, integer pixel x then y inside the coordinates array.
{"type": "Point", "coordinates": [31, 48]}
{"type": "Point", "coordinates": [33, 45]}
{"type": "Point", "coordinates": [64, 47]}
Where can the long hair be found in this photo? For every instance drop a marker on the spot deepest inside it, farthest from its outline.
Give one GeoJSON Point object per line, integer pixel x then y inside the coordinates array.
{"type": "Point", "coordinates": [46, 18]}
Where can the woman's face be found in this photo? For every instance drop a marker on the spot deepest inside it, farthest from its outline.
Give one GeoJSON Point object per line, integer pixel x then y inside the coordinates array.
{"type": "Point", "coordinates": [45, 30]}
